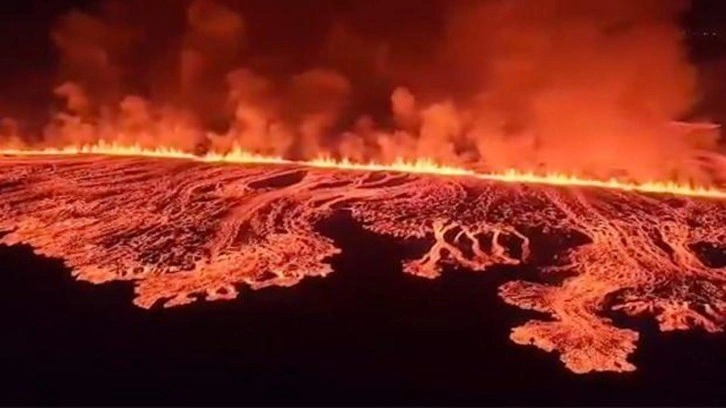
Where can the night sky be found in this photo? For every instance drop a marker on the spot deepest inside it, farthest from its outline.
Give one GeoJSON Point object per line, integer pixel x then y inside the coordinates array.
{"type": "Point", "coordinates": [28, 70]}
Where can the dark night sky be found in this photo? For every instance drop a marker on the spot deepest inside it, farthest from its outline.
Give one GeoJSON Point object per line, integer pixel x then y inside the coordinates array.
{"type": "Point", "coordinates": [27, 72]}
{"type": "Point", "coordinates": [29, 58]}
{"type": "Point", "coordinates": [29, 67]}
{"type": "Point", "coordinates": [25, 25]}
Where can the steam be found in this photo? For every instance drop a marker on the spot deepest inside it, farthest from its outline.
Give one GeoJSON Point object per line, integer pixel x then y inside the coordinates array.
{"type": "Point", "coordinates": [545, 85]}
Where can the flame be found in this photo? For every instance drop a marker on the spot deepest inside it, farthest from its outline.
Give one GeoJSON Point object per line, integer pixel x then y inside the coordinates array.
{"type": "Point", "coordinates": [419, 166]}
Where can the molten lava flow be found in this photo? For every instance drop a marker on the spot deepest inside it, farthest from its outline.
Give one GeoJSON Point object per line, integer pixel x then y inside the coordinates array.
{"type": "Point", "coordinates": [421, 166]}
{"type": "Point", "coordinates": [181, 230]}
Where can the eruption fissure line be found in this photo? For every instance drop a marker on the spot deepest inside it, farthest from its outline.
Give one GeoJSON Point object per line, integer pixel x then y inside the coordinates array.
{"type": "Point", "coordinates": [419, 166]}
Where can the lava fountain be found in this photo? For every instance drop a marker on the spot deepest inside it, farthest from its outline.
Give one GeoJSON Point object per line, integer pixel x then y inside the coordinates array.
{"type": "Point", "coordinates": [197, 228]}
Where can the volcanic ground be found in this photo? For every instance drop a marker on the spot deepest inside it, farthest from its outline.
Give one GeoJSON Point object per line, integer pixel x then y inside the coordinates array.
{"type": "Point", "coordinates": [184, 231]}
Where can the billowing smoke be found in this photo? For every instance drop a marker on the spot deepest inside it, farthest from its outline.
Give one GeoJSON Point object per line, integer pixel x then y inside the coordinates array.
{"type": "Point", "coordinates": [577, 86]}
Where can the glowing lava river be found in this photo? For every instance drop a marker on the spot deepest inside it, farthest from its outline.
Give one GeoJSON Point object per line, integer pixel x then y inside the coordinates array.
{"type": "Point", "coordinates": [182, 230]}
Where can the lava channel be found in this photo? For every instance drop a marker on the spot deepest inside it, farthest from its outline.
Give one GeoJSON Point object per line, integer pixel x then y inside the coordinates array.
{"type": "Point", "coordinates": [187, 230]}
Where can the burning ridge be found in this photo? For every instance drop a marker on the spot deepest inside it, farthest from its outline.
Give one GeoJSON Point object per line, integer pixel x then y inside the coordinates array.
{"type": "Point", "coordinates": [183, 230]}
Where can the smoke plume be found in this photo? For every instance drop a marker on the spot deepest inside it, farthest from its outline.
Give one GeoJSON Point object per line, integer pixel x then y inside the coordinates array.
{"type": "Point", "coordinates": [576, 86]}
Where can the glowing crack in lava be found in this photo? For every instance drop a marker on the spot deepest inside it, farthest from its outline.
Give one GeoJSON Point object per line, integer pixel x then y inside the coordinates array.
{"type": "Point", "coordinates": [185, 229]}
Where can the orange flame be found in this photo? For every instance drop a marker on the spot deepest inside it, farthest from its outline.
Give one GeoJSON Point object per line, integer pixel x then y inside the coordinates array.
{"type": "Point", "coordinates": [420, 166]}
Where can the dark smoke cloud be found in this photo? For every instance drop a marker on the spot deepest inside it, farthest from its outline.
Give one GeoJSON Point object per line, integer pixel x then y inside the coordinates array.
{"type": "Point", "coordinates": [563, 85]}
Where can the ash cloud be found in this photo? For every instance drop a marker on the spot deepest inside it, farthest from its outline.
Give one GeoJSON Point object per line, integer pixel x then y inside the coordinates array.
{"type": "Point", "coordinates": [545, 85]}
